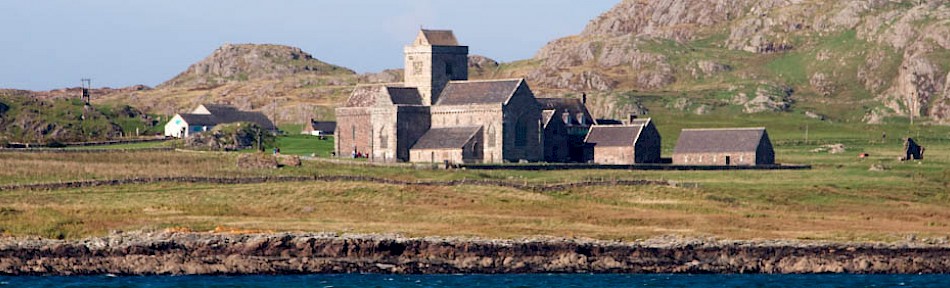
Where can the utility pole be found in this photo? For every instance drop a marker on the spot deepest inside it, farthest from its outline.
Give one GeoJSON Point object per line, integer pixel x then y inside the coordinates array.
{"type": "Point", "coordinates": [85, 85]}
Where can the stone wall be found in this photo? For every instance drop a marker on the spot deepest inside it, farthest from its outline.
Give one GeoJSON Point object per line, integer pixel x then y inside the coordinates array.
{"type": "Point", "coordinates": [735, 158]}
{"type": "Point", "coordinates": [413, 123]}
{"type": "Point", "coordinates": [522, 109]}
{"type": "Point", "coordinates": [353, 132]}
{"type": "Point", "coordinates": [765, 154]}
{"type": "Point", "coordinates": [384, 148]}
{"type": "Point", "coordinates": [614, 155]}
{"type": "Point", "coordinates": [488, 116]}
{"type": "Point", "coordinates": [648, 146]}
{"type": "Point", "coordinates": [430, 67]}
{"type": "Point", "coordinates": [557, 148]}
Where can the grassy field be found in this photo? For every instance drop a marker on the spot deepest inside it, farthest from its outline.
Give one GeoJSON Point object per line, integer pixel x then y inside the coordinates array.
{"type": "Point", "coordinates": [305, 145]}
{"type": "Point", "coordinates": [840, 199]}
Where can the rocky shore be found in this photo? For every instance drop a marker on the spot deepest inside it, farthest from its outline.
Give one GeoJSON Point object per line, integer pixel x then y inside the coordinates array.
{"type": "Point", "coordinates": [144, 253]}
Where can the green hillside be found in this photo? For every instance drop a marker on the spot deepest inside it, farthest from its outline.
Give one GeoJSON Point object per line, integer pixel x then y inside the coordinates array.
{"type": "Point", "coordinates": [27, 119]}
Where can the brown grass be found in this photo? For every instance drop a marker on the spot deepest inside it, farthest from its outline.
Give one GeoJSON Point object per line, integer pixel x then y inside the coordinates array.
{"type": "Point", "coordinates": [839, 199]}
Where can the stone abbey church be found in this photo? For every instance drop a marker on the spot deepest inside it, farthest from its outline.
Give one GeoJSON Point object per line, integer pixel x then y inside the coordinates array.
{"type": "Point", "coordinates": [437, 115]}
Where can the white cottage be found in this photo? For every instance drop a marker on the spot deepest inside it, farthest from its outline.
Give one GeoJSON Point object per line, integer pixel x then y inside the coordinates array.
{"type": "Point", "coordinates": [206, 116]}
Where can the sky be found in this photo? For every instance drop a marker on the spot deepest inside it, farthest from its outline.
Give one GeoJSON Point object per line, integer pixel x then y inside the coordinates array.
{"type": "Point", "coordinates": [51, 44]}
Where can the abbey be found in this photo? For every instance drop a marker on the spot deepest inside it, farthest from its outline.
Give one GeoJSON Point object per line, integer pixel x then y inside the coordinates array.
{"type": "Point", "coordinates": [438, 115]}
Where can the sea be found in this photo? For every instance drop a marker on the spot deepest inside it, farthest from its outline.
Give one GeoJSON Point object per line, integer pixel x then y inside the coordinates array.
{"type": "Point", "coordinates": [505, 280]}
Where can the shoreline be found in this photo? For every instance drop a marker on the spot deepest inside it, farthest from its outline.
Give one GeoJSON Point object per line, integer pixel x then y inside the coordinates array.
{"type": "Point", "coordinates": [166, 253]}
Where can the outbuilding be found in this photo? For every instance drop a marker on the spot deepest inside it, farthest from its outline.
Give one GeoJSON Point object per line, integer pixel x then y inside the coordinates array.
{"type": "Point", "coordinates": [633, 143]}
{"type": "Point", "coordinates": [319, 128]}
{"type": "Point", "coordinates": [453, 145]}
{"type": "Point", "coordinates": [726, 146]}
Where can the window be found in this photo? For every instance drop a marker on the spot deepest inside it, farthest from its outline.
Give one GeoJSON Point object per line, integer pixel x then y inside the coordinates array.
{"type": "Point", "coordinates": [383, 139]}
{"type": "Point", "coordinates": [417, 68]}
{"type": "Point", "coordinates": [491, 136]}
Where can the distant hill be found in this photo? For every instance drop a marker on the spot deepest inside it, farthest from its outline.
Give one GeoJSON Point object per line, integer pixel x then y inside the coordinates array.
{"type": "Point", "coordinates": [252, 62]}
{"type": "Point", "coordinates": [285, 82]}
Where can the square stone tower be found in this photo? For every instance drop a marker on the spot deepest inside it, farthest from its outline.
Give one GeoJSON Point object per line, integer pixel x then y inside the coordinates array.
{"type": "Point", "coordinates": [432, 60]}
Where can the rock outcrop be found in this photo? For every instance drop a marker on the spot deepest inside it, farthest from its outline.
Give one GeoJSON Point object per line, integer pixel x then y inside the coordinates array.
{"type": "Point", "coordinates": [246, 62]}
{"type": "Point", "coordinates": [282, 253]}
{"type": "Point", "coordinates": [652, 45]}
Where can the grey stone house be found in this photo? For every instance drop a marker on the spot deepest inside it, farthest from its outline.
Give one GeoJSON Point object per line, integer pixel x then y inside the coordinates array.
{"type": "Point", "coordinates": [729, 146]}
{"type": "Point", "coordinates": [385, 122]}
{"type": "Point", "coordinates": [632, 143]}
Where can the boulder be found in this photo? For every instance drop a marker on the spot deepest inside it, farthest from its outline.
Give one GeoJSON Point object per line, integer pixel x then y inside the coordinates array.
{"type": "Point", "coordinates": [257, 161]}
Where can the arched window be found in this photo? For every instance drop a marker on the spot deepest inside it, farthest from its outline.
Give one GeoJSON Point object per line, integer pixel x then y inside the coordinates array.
{"type": "Point", "coordinates": [491, 136]}
{"type": "Point", "coordinates": [383, 138]}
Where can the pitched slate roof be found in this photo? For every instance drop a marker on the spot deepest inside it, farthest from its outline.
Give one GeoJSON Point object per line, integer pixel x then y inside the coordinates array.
{"type": "Point", "coordinates": [235, 116]}
{"type": "Point", "coordinates": [719, 140]}
{"type": "Point", "coordinates": [570, 105]}
{"type": "Point", "coordinates": [438, 38]}
{"type": "Point", "coordinates": [613, 135]}
{"type": "Point", "coordinates": [404, 95]}
{"type": "Point", "coordinates": [325, 126]}
{"type": "Point", "coordinates": [198, 119]}
{"type": "Point", "coordinates": [446, 138]}
{"type": "Point", "coordinates": [478, 92]}
{"type": "Point", "coordinates": [372, 95]}
{"type": "Point", "coordinates": [219, 108]}
{"type": "Point", "coordinates": [222, 114]}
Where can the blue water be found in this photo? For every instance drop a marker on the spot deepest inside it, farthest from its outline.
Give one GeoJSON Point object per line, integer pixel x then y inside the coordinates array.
{"type": "Point", "coordinates": [542, 280]}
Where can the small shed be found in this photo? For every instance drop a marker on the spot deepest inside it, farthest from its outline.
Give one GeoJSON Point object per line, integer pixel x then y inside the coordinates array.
{"type": "Point", "coordinates": [455, 145]}
{"type": "Point", "coordinates": [637, 142]}
{"type": "Point", "coordinates": [727, 146]}
{"type": "Point", "coordinates": [319, 128]}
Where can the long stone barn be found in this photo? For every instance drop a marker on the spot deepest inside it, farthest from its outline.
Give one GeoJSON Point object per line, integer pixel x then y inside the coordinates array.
{"type": "Point", "coordinates": [387, 122]}
{"type": "Point", "coordinates": [728, 146]}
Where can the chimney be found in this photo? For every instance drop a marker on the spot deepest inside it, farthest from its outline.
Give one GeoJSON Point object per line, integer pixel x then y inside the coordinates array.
{"type": "Point", "coordinates": [584, 98]}
{"type": "Point", "coordinates": [632, 118]}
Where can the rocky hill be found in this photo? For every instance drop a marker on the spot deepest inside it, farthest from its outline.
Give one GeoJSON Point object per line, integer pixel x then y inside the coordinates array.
{"type": "Point", "coordinates": [251, 62]}
{"type": "Point", "coordinates": [288, 84]}
{"type": "Point", "coordinates": [855, 59]}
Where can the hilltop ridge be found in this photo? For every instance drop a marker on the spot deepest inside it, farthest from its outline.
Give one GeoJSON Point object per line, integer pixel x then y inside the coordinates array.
{"type": "Point", "coordinates": [885, 58]}
{"type": "Point", "coordinates": [232, 63]}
